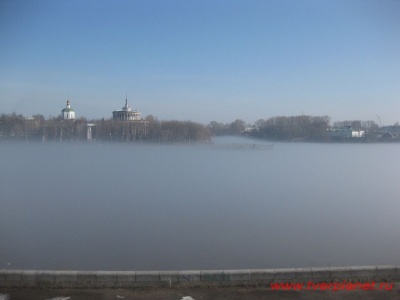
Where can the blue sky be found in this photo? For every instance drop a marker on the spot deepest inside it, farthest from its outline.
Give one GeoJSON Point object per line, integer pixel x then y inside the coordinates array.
{"type": "Point", "coordinates": [202, 60]}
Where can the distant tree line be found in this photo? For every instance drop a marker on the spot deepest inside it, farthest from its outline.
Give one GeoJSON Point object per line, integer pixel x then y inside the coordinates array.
{"type": "Point", "coordinates": [178, 131]}
{"type": "Point", "coordinates": [237, 127]}
{"type": "Point", "coordinates": [18, 127]}
{"type": "Point", "coordinates": [281, 127]}
{"type": "Point", "coordinates": [293, 127]}
{"type": "Point", "coordinates": [303, 127]}
{"type": "Point", "coordinates": [151, 130]}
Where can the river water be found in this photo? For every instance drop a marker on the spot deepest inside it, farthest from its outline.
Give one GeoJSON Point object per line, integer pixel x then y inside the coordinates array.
{"type": "Point", "coordinates": [111, 206]}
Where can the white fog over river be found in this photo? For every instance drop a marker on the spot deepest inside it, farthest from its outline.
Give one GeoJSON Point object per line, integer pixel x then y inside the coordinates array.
{"type": "Point", "coordinates": [113, 206]}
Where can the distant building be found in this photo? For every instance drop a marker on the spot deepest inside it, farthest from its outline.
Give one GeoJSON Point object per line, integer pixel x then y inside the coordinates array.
{"type": "Point", "coordinates": [89, 134]}
{"type": "Point", "coordinates": [346, 131]}
{"type": "Point", "coordinates": [127, 114]}
{"type": "Point", "coordinates": [248, 130]}
{"type": "Point", "coordinates": [391, 129]}
{"type": "Point", "coordinates": [68, 113]}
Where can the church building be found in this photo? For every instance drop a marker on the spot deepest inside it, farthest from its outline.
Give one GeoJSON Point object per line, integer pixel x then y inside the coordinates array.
{"type": "Point", "coordinates": [68, 113]}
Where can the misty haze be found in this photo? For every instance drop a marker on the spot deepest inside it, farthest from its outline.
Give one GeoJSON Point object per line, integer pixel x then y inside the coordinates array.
{"type": "Point", "coordinates": [100, 206]}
